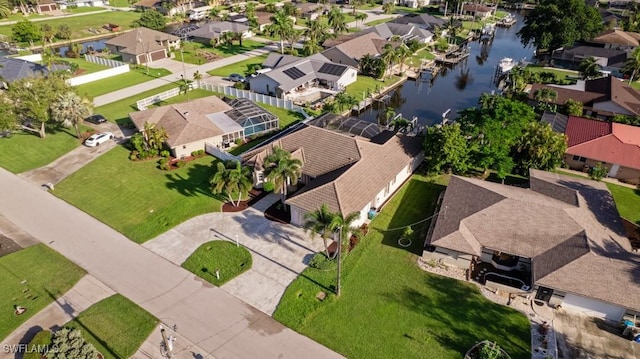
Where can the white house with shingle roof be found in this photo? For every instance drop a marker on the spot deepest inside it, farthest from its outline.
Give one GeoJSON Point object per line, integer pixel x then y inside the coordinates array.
{"type": "Point", "coordinates": [561, 241]}
{"type": "Point", "coordinates": [347, 173]}
{"type": "Point", "coordinates": [142, 45]}
{"type": "Point", "coordinates": [209, 120]}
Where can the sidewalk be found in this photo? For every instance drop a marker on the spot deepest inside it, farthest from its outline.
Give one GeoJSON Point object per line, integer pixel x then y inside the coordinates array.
{"type": "Point", "coordinates": [150, 85]}
{"type": "Point", "coordinates": [85, 293]}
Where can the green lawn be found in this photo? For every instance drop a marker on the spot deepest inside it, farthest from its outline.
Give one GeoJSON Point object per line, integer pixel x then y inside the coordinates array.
{"type": "Point", "coordinates": [80, 25]}
{"type": "Point", "coordinates": [239, 67]}
{"type": "Point", "coordinates": [32, 278]}
{"type": "Point", "coordinates": [221, 256]}
{"type": "Point", "coordinates": [627, 201]}
{"type": "Point", "coordinates": [119, 3]}
{"type": "Point", "coordinates": [390, 306]}
{"type": "Point", "coordinates": [26, 150]}
{"type": "Point", "coordinates": [148, 201]}
{"type": "Point", "coordinates": [190, 50]}
{"type": "Point", "coordinates": [416, 59]}
{"type": "Point", "coordinates": [378, 22]}
{"type": "Point", "coordinates": [115, 326]}
{"type": "Point", "coordinates": [287, 118]}
{"type": "Point", "coordinates": [119, 111]}
{"type": "Point", "coordinates": [133, 77]}
{"type": "Point", "coordinates": [562, 74]}
{"type": "Point", "coordinates": [366, 84]}
{"type": "Point", "coordinates": [86, 66]}
{"type": "Point", "coordinates": [84, 9]}
{"type": "Point", "coordinates": [634, 84]}
{"type": "Point", "coordinates": [19, 16]}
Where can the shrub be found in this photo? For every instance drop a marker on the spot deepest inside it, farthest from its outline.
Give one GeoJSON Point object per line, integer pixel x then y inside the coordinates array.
{"type": "Point", "coordinates": [239, 141]}
{"type": "Point", "coordinates": [37, 346]}
{"type": "Point", "coordinates": [268, 186]}
{"type": "Point", "coordinates": [181, 163]}
{"type": "Point", "coordinates": [165, 153]}
{"type": "Point", "coordinates": [153, 152]}
{"type": "Point", "coordinates": [200, 152]}
{"type": "Point", "coordinates": [194, 153]}
{"type": "Point", "coordinates": [598, 172]}
{"type": "Point", "coordinates": [320, 261]}
{"type": "Point", "coordinates": [69, 343]}
{"type": "Point", "coordinates": [408, 232]}
{"type": "Point", "coordinates": [133, 155]}
{"type": "Point", "coordinates": [239, 85]}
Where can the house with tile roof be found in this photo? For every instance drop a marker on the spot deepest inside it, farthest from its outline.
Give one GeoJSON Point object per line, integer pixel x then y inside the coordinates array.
{"type": "Point", "coordinates": [617, 39]}
{"type": "Point", "coordinates": [142, 45]}
{"type": "Point", "coordinates": [303, 79]}
{"type": "Point", "coordinates": [423, 21]}
{"type": "Point", "coordinates": [611, 60]}
{"type": "Point", "coordinates": [560, 241]}
{"type": "Point", "coordinates": [214, 29]}
{"type": "Point", "coordinates": [208, 121]}
{"type": "Point", "coordinates": [353, 48]}
{"type": "Point", "coordinates": [477, 11]}
{"type": "Point", "coordinates": [403, 32]}
{"type": "Point", "coordinates": [347, 172]}
{"type": "Point", "coordinates": [602, 98]}
{"type": "Point", "coordinates": [616, 146]}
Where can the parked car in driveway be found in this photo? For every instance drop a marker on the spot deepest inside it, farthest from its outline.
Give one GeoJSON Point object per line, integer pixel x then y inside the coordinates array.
{"type": "Point", "coordinates": [97, 138]}
{"type": "Point", "coordinates": [236, 78]}
{"type": "Point", "coordinates": [96, 119]}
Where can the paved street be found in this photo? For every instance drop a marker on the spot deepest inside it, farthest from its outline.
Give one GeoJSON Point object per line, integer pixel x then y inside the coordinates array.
{"type": "Point", "coordinates": [280, 252]}
{"type": "Point", "coordinates": [216, 322]}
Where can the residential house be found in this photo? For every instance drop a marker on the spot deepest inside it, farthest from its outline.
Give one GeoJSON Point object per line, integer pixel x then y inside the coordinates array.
{"type": "Point", "coordinates": [617, 39]}
{"type": "Point", "coordinates": [199, 13]}
{"type": "Point", "coordinates": [401, 32]}
{"type": "Point", "coordinates": [142, 45]}
{"type": "Point", "coordinates": [409, 3]}
{"type": "Point", "coordinates": [45, 6]}
{"type": "Point", "coordinates": [602, 98]}
{"type": "Point", "coordinates": [477, 11]}
{"type": "Point", "coordinates": [262, 18]}
{"type": "Point", "coordinates": [206, 122]}
{"type": "Point", "coordinates": [556, 120]}
{"type": "Point", "coordinates": [63, 4]}
{"type": "Point", "coordinates": [311, 11]}
{"type": "Point", "coordinates": [177, 7]}
{"type": "Point", "coordinates": [213, 30]}
{"type": "Point", "coordinates": [353, 49]}
{"type": "Point", "coordinates": [305, 80]}
{"type": "Point", "coordinates": [560, 241]}
{"type": "Point", "coordinates": [611, 60]}
{"type": "Point", "coordinates": [616, 146]}
{"type": "Point", "coordinates": [349, 173]}
{"type": "Point", "coordinates": [13, 69]}
{"type": "Point", "coordinates": [423, 21]}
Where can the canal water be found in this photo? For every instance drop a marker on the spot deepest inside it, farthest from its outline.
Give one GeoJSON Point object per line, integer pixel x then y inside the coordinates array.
{"type": "Point", "coordinates": [457, 87]}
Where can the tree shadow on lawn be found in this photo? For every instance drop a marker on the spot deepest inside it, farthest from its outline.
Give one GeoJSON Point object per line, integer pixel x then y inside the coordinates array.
{"type": "Point", "coordinates": [418, 203]}
{"type": "Point", "coordinates": [195, 183]}
{"type": "Point", "coordinates": [460, 310]}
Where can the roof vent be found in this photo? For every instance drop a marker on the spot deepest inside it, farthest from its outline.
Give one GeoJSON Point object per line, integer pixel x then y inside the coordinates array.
{"type": "Point", "coordinates": [185, 113]}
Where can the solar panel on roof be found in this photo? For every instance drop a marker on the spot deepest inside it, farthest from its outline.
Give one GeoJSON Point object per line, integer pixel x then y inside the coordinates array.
{"type": "Point", "coordinates": [331, 69]}
{"type": "Point", "coordinates": [294, 73]}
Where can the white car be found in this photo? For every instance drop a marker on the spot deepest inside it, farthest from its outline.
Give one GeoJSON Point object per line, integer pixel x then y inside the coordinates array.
{"type": "Point", "coordinates": [97, 138]}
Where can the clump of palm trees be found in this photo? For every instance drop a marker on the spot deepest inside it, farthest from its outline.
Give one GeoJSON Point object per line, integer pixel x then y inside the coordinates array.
{"type": "Point", "coordinates": [233, 179]}
{"type": "Point", "coordinates": [282, 170]}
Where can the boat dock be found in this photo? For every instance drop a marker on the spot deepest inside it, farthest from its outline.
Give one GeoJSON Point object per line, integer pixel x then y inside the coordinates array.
{"type": "Point", "coordinates": [453, 58]}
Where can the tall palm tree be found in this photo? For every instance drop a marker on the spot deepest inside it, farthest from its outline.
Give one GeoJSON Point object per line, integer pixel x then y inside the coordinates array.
{"type": "Point", "coordinates": [281, 26]}
{"type": "Point", "coordinates": [316, 30]}
{"type": "Point", "coordinates": [389, 56]}
{"type": "Point", "coordinates": [320, 222]}
{"type": "Point", "coordinates": [227, 38]}
{"type": "Point", "coordinates": [336, 20]}
{"type": "Point", "coordinates": [342, 225]}
{"type": "Point", "coordinates": [632, 65]}
{"type": "Point", "coordinates": [311, 47]}
{"type": "Point", "coordinates": [70, 109]}
{"type": "Point", "coordinates": [387, 7]}
{"type": "Point", "coordinates": [402, 52]}
{"type": "Point", "coordinates": [360, 16]}
{"type": "Point", "coordinates": [281, 169]}
{"type": "Point", "coordinates": [220, 182]}
{"type": "Point", "coordinates": [48, 57]}
{"type": "Point", "coordinates": [197, 76]}
{"type": "Point", "coordinates": [589, 68]}
{"type": "Point", "coordinates": [241, 178]}
{"type": "Point", "coordinates": [5, 9]}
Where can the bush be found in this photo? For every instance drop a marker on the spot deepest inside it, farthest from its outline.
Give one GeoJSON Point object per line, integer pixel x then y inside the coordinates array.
{"type": "Point", "coordinates": [239, 141]}
{"type": "Point", "coordinates": [598, 172]}
{"type": "Point", "coordinates": [181, 163]}
{"type": "Point", "coordinates": [194, 153]}
{"type": "Point", "coordinates": [134, 155]}
{"type": "Point", "coordinates": [239, 85]}
{"type": "Point", "coordinates": [200, 152]}
{"type": "Point", "coordinates": [320, 261]}
{"type": "Point", "coordinates": [37, 346]}
{"type": "Point", "coordinates": [165, 153]}
{"type": "Point", "coordinates": [163, 164]}
{"type": "Point", "coordinates": [69, 343]}
{"type": "Point", "coordinates": [268, 186]}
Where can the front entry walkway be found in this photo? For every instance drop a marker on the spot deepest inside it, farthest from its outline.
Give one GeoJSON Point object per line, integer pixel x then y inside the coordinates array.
{"type": "Point", "coordinates": [280, 252]}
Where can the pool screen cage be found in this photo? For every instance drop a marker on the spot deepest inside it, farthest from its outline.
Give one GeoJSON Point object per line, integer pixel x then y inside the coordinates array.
{"type": "Point", "coordinates": [348, 125]}
{"type": "Point", "coordinates": [253, 118]}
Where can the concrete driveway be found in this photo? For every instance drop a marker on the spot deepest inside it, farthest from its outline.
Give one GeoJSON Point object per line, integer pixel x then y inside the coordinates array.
{"type": "Point", "coordinates": [280, 252]}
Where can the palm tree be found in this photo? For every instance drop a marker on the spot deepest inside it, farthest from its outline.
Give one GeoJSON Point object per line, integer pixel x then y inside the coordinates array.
{"type": "Point", "coordinates": [197, 76]}
{"type": "Point", "coordinates": [281, 169]}
{"type": "Point", "coordinates": [241, 178]}
{"type": "Point", "coordinates": [589, 68]}
{"type": "Point", "coordinates": [545, 97]}
{"type": "Point", "coordinates": [402, 52]}
{"type": "Point", "coordinates": [316, 30]}
{"type": "Point", "coordinates": [231, 177]}
{"type": "Point", "coordinates": [387, 8]}
{"type": "Point", "coordinates": [281, 26]}
{"type": "Point", "coordinates": [355, 4]}
{"type": "Point", "coordinates": [389, 56]}
{"type": "Point", "coordinates": [48, 57]}
{"type": "Point", "coordinates": [70, 109]}
{"type": "Point", "coordinates": [632, 65]}
{"type": "Point", "coordinates": [360, 16]}
{"type": "Point", "coordinates": [319, 222]}
{"type": "Point", "coordinates": [5, 9]}
{"type": "Point", "coordinates": [311, 47]}
{"type": "Point", "coordinates": [227, 38]}
{"type": "Point", "coordinates": [336, 20]}
{"type": "Point", "coordinates": [342, 225]}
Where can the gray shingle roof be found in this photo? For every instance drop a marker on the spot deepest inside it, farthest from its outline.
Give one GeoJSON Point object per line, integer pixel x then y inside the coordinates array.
{"type": "Point", "coordinates": [12, 69]}
{"type": "Point", "coordinates": [141, 40]}
{"type": "Point", "coordinates": [557, 121]}
{"type": "Point", "coordinates": [212, 30]}
{"type": "Point", "coordinates": [304, 70]}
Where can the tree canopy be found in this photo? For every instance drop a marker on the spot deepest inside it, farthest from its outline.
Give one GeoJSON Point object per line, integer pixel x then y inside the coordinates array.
{"type": "Point", "coordinates": [151, 19]}
{"type": "Point", "coordinates": [553, 24]}
{"type": "Point", "coordinates": [446, 149]}
{"type": "Point", "coordinates": [25, 31]}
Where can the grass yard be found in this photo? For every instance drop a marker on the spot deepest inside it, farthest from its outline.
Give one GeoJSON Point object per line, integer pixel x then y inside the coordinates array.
{"type": "Point", "coordinates": [378, 22]}
{"type": "Point", "coordinates": [119, 111]}
{"type": "Point", "coordinates": [148, 201]}
{"type": "Point", "coordinates": [25, 151]}
{"type": "Point", "coordinates": [222, 256]}
{"type": "Point", "coordinates": [239, 67]}
{"type": "Point", "coordinates": [389, 306]}
{"type": "Point", "coordinates": [46, 275]}
{"type": "Point", "coordinates": [416, 59]}
{"type": "Point", "coordinates": [366, 84]}
{"type": "Point", "coordinates": [627, 201]}
{"type": "Point", "coordinates": [86, 66]}
{"type": "Point", "coordinates": [190, 50]}
{"type": "Point", "coordinates": [567, 75]}
{"type": "Point", "coordinates": [287, 117]}
{"type": "Point", "coordinates": [115, 326]}
{"type": "Point", "coordinates": [133, 77]}
{"type": "Point", "coordinates": [119, 3]}
{"type": "Point", "coordinates": [80, 25]}
{"type": "Point", "coordinates": [84, 9]}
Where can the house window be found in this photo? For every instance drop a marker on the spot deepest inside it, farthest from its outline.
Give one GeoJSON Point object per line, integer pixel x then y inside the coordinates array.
{"type": "Point", "coordinates": [579, 158]}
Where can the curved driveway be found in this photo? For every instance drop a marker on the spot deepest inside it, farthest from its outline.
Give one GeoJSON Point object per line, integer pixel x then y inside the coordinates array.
{"type": "Point", "coordinates": [217, 322]}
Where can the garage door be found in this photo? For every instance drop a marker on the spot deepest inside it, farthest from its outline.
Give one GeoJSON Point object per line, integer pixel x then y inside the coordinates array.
{"type": "Point", "coordinates": [593, 308]}
{"type": "Point", "coordinates": [158, 55]}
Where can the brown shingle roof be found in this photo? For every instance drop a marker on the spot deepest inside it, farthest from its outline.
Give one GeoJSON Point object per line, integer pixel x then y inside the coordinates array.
{"type": "Point", "coordinates": [564, 94]}
{"type": "Point", "coordinates": [618, 37]}
{"type": "Point", "coordinates": [141, 40]}
{"type": "Point", "coordinates": [367, 44]}
{"type": "Point", "coordinates": [616, 90]}
{"type": "Point", "coordinates": [572, 232]}
{"type": "Point", "coordinates": [185, 122]}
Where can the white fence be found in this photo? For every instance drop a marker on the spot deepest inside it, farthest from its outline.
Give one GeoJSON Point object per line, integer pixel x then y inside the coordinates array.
{"type": "Point", "coordinates": [31, 58]}
{"type": "Point", "coordinates": [95, 76]}
{"type": "Point", "coordinates": [229, 91]}
{"type": "Point", "coordinates": [104, 62]}
{"type": "Point", "coordinates": [218, 153]}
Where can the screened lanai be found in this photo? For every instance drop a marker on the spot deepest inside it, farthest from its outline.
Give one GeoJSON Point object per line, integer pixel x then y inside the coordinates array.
{"type": "Point", "coordinates": [348, 125]}
{"type": "Point", "coordinates": [253, 118]}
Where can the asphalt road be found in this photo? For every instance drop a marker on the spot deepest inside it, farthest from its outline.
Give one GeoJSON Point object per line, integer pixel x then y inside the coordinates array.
{"type": "Point", "coordinates": [207, 316]}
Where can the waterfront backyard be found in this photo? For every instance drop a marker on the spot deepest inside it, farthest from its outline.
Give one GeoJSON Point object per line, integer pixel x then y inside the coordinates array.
{"type": "Point", "coordinates": [389, 305]}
